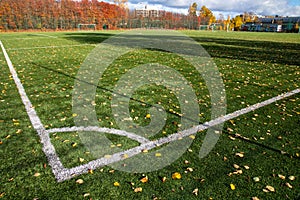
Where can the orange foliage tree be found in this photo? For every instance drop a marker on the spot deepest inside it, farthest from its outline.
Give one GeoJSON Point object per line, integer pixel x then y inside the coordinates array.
{"type": "Point", "coordinates": [57, 14]}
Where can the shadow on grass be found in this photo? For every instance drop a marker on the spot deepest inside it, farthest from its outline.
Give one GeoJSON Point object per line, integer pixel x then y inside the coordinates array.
{"type": "Point", "coordinates": [229, 48]}
{"type": "Point", "coordinates": [247, 50]}
{"type": "Point", "coordinates": [88, 37]}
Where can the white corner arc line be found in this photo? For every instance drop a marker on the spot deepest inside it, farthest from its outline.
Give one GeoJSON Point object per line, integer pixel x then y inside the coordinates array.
{"type": "Point", "coordinates": [63, 174]}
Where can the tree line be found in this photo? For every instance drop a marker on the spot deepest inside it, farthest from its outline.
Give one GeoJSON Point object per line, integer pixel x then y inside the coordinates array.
{"type": "Point", "coordinates": [56, 14]}
{"type": "Point", "coordinates": [68, 14]}
{"type": "Point", "coordinates": [206, 17]}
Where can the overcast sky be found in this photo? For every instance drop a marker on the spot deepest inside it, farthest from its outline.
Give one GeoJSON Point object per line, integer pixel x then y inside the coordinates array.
{"type": "Point", "coordinates": [260, 7]}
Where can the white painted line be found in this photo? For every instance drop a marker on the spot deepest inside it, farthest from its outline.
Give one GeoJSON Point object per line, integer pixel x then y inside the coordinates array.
{"type": "Point", "coordinates": [35, 120]}
{"type": "Point", "coordinates": [45, 35]}
{"type": "Point", "coordinates": [46, 47]}
{"type": "Point", "coordinates": [112, 131]}
{"type": "Point", "coordinates": [48, 148]}
{"type": "Point", "coordinates": [63, 174]}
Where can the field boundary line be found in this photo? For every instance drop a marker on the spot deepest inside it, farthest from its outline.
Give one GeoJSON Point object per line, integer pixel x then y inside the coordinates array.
{"type": "Point", "coordinates": [48, 148]}
{"type": "Point", "coordinates": [35, 120]}
{"type": "Point", "coordinates": [45, 35]}
{"type": "Point", "coordinates": [61, 173]}
{"type": "Point", "coordinates": [49, 47]}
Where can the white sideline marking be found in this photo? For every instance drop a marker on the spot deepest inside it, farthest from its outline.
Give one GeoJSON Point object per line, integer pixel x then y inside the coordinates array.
{"type": "Point", "coordinates": [46, 47]}
{"type": "Point", "coordinates": [44, 35]}
{"type": "Point", "coordinates": [61, 173]}
{"type": "Point", "coordinates": [48, 148]}
{"type": "Point", "coordinates": [36, 122]}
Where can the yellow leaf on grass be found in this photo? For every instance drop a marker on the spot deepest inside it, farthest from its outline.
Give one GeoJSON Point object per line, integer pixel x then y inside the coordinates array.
{"type": "Point", "coordinates": [192, 137]}
{"type": "Point", "coordinates": [289, 185]}
{"type": "Point", "coordinates": [86, 195]}
{"type": "Point", "coordinates": [144, 179]}
{"type": "Point", "coordinates": [246, 167]}
{"type": "Point", "coordinates": [236, 166]}
{"type": "Point", "coordinates": [270, 188]}
{"type": "Point", "coordinates": [18, 131]}
{"type": "Point", "coordinates": [189, 169]}
{"type": "Point", "coordinates": [281, 176]}
{"type": "Point", "coordinates": [256, 179]}
{"type": "Point", "coordinates": [145, 151]}
{"type": "Point", "coordinates": [232, 187]}
{"type": "Point", "coordinates": [292, 178]}
{"type": "Point", "coordinates": [195, 191]}
{"type": "Point", "coordinates": [176, 175]}
{"type": "Point", "coordinates": [37, 174]}
{"type": "Point", "coordinates": [241, 155]}
{"type": "Point", "coordinates": [74, 144]}
{"type": "Point", "coordinates": [148, 116]}
{"type": "Point", "coordinates": [79, 181]}
{"type": "Point", "coordinates": [139, 189]}
{"type": "Point", "coordinates": [158, 154]}
{"type": "Point", "coordinates": [116, 184]}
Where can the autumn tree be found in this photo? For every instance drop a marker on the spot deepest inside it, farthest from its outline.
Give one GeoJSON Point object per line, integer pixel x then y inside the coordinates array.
{"type": "Point", "coordinates": [192, 16]}
{"type": "Point", "coordinates": [193, 9]}
{"type": "Point", "coordinates": [227, 23]}
{"type": "Point", "coordinates": [121, 3]}
{"type": "Point", "coordinates": [206, 14]}
{"type": "Point", "coordinates": [238, 22]}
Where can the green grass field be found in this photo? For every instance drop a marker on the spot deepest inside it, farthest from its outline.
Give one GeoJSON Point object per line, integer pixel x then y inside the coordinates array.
{"type": "Point", "coordinates": [254, 67]}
